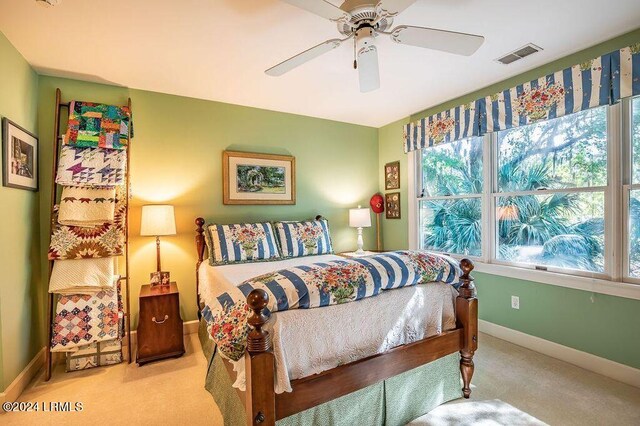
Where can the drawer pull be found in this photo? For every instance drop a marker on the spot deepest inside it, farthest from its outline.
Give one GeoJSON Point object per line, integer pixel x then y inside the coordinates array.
{"type": "Point", "coordinates": [166, 317]}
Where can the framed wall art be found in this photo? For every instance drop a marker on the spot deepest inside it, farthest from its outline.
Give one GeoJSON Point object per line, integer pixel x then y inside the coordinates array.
{"type": "Point", "coordinates": [392, 175]}
{"type": "Point", "coordinates": [252, 178]}
{"type": "Point", "coordinates": [19, 157]}
{"type": "Point", "coordinates": [392, 205]}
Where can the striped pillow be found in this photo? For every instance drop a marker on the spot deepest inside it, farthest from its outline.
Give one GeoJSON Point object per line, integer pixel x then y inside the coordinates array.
{"type": "Point", "coordinates": [241, 243]}
{"type": "Point", "coordinates": [304, 238]}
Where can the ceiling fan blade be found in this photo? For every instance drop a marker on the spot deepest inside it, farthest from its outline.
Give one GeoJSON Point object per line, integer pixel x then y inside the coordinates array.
{"type": "Point", "coordinates": [396, 6]}
{"type": "Point", "coordinates": [368, 69]}
{"type": "Point", "coordinates": [321, 8]}
{"type": "Point", "coordinates": [303, 57]}
{"type": "Point", "coordinates": [430, 38]}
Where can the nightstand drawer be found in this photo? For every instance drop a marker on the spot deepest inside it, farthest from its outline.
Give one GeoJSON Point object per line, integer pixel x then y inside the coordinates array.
{"type": "Point", "coordinates": [160, 332]}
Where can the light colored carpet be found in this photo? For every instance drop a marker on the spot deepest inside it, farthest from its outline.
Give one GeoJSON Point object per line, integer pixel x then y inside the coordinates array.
{"type": "Point", "coordinates": [480, 413]}
{"type": "Point", "coordinates": [171, 392]}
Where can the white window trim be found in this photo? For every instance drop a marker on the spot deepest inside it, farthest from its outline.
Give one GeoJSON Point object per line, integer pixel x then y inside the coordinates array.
{"type": "Point", "coordinates": [620, 284]}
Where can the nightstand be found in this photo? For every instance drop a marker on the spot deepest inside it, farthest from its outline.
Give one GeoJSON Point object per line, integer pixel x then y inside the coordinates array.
{"type": "Point", "coordinates": [353, 253]}
{"type": "Point", "coordinates": [159, 324]}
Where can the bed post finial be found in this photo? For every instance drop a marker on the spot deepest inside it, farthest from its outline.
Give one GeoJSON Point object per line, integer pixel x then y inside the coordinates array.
{"type": "Point", "coordinates": [200, 245]}
{"type": "Point", "coordinates": [467, 288]}
{"type": "Point", "coordinates": [260, 403]}
{"type": "Point", "coordinates": [258, 339]}
{"type": "Point", "coordinates": [467, 318]}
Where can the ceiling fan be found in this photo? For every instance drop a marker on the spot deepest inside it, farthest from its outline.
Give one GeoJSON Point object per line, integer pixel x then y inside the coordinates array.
{"type": "Point", "coordinates": [364, 20]}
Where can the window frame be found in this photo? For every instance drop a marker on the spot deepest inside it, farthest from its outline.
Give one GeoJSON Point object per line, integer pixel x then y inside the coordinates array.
{"type": "Point", "coordinates": [480, 196]}
{"type": "Point", "coordinates": [496, 194]}
{"type": "Point", "coordinates": [615, 279]}
{"type": "Point", "coordinates": [627, 186]}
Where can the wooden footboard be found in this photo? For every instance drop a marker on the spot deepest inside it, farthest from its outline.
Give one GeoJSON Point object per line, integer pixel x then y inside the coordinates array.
{"type": "Point", "coordinates": [263, 406]}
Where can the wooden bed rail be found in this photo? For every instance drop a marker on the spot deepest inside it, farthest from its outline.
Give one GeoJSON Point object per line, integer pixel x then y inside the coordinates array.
{"type": "Point", "coordinates": [261, 400]}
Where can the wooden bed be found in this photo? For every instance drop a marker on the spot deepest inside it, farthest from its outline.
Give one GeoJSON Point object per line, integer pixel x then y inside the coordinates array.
{"type": "Point", "coordinates": [264, 407]}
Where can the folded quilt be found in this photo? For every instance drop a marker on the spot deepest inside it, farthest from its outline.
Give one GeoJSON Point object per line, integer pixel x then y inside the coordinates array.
{"type": "Point", "coordinates": [87, 206]}
{"type": "Point", "coordinates": [96, 125]}
{"type": "Point", "coordinates": [82, 319]}
{"type": "Point", "coordinates": [91, 166]}
{"type": "Point", "coordinates": [87, 274]}
{"type": "Point", "coordinates": [96, 354]}
{"type": "Point", "coordinates": [319, 285]}
{"type": "Point", "coordinates": [87, 289]}
{"type": "Point", "coordinates": [79, 242]}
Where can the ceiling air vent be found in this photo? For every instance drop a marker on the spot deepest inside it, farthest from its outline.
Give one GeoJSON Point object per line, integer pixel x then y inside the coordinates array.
{"type": "Point", "coordinates": [516, 55]}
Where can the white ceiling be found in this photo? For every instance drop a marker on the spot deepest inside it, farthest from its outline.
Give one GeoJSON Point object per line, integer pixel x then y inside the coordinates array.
{"type": "Point", "coordinates": [219, 49]}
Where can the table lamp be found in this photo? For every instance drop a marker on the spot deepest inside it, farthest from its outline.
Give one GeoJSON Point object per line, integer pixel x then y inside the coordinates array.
{"type": "Point", "coordinates": [157, 220]}
{"type": "Point", "coordinates": [359, 218]}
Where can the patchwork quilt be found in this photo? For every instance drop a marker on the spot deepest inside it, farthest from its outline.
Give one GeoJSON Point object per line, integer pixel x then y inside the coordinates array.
{"type": "Point", "coordinates": [319, 285]}
{"type": "Point", "coordinates": [82, 319]}
{"type": "Point", "coordinates": [91, 166]}
{"type": "Point", "coordinates": [96, 125]}
{"type": "Point", "coordinates": [87, 206]}
{"type": "Point", "coordinates": [80, 242]}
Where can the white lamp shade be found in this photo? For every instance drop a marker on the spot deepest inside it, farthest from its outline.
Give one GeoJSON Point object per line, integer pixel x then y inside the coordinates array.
{"type": "Point", "coordinates": [158, 219]}
{"type": "Point", "coordinates": [359, 218]}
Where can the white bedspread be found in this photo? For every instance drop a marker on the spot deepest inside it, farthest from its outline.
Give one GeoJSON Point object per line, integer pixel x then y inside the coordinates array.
{"type": "Point", "coordinates": [310, 341]}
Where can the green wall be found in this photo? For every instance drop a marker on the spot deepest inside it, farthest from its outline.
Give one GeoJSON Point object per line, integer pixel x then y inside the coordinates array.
{"type": "Point", "coordinates": [176, 158]}
{"type": "Point", "coordinates": [21, 306]}
{"type": "Point", "coordinates": [599, 324]}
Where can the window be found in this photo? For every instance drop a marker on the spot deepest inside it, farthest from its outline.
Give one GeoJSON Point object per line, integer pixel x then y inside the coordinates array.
{"type": "Point", "coordinates": [551, 183]}
{"type": "Point", "coordinates": [450, 206]}
{"type": "Point", "coordinates": [633, 206]}
{"type": "Point", "coordinates": [545, 196]}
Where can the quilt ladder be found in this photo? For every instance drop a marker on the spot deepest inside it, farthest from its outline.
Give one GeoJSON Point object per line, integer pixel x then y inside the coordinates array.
{"type": "Point", "coordinates": [124, 258]}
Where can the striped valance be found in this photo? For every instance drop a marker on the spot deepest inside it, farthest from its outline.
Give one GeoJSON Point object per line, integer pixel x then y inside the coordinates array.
{"type": "Point", "coordinates": [580, 87]}
{"type": "Point", "coordinates": [448, 126]}
{"type": "Point", "coordinates": [600, 81]}
{"type": "Point", "coordinates": [625, 71]}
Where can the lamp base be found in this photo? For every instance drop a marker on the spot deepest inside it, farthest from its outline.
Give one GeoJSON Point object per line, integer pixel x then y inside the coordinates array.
{"type": "Point", "coordinates": [360, 251]}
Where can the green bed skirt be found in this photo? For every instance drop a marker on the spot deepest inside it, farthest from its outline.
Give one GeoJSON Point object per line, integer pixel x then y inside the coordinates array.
{"type": "Point", "coordinates": [395, 401]}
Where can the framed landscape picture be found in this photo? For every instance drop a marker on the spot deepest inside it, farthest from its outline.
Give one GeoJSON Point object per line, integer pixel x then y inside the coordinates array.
{"type": "Point", "coordinates": [392, 204]}
{"type": "Point", "coordinates": [392, 175]}
{"type": "Point", "coordinates": [251, 178]}
{"type": "Point", "coordinates": [19, 157]}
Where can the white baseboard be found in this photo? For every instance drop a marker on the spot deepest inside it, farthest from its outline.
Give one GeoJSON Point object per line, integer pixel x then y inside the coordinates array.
{"type": "Point", "coordinates": [16, 387]}
{"type": "Point", "coordinates": [606, 367]}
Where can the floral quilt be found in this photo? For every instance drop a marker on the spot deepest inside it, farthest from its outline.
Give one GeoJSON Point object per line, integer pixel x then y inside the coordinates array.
{"type": "Point", "coordinates": [320, 285]}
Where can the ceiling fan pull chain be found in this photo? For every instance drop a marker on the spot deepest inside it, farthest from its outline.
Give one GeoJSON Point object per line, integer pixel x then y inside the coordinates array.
{"type": "Point", "coordinates": [355, 55]}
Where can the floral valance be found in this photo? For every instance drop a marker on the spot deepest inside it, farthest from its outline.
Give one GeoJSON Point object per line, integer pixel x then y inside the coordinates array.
{"type": "Point", "coordinates": [573, 89]}
{"type": "Point", "coordinates": [448, 126]}
{"type": "Point", "coordinates": [600, 81]}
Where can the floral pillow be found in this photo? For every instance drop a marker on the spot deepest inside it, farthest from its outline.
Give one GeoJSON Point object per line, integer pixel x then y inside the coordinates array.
{"type": "Point", "coordinates": [241, 242]}
{"type": "Point", "coordinates": [304, 238]}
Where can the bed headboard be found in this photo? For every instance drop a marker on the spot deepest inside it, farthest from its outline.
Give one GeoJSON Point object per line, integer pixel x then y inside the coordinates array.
{"type": "Point", "coordinates": [201, 247]}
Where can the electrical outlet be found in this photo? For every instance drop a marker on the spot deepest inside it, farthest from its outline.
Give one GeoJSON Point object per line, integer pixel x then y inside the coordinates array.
{"type": "Point", "coordinates": [515, 302]}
